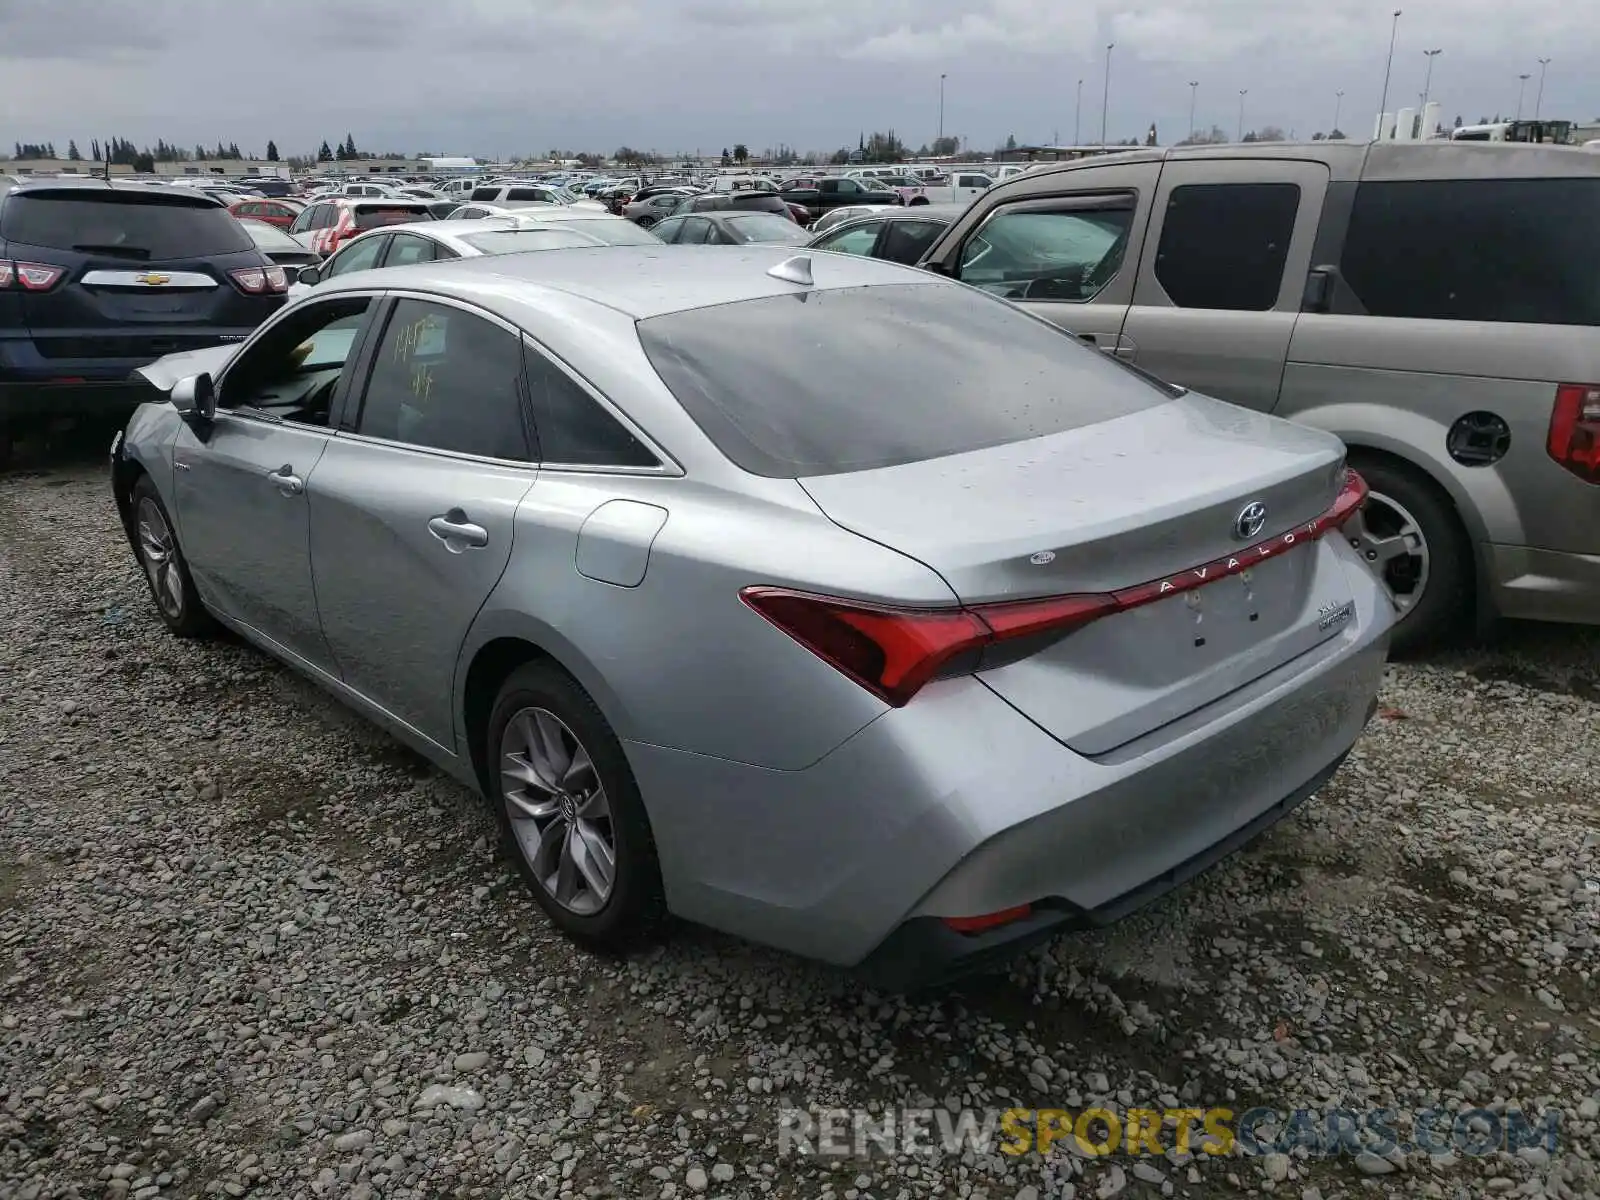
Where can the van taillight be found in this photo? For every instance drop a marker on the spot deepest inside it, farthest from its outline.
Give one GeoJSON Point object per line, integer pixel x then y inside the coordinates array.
{"type": "Point", "coordinates": [254, 281]}
{"type": "Point", "coordinates": [1574, 439]}
{"type": "Point", "coordinates": [29, 276]}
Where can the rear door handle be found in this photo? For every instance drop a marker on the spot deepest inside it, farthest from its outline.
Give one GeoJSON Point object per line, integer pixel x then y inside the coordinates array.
{"type": "Point", "coordinates": [288, 483]}
{"type": "Point", "coordinates": [457, 532]}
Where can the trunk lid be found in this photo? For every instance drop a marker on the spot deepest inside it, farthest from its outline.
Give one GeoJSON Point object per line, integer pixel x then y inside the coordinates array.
{"type": "Point", "coordinates": [1140, 498]}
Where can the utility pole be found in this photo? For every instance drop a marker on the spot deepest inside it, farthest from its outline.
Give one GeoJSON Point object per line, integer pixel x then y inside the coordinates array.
{"type": "Point", "coordinates": [1243, 92]}
{"type": "Point", "coordinates": [1427, 83]}
{"type": "Point", "coordinates": [1194, 85]}
{"type": "Point", "coordinates": [1077, 118]}
{"type": "Point", "coordinates": [1538, 99]}
{"type": "Point", "coordinates": [1338, 103]}
{"type": "Point", "coordinates": [941, 106]}
{"type": "Point", "coordinates": [1521, 90]}
{"type": "Point", "coordinates": [1105, 99]}
{"type": "Point", "coordinates": [1383, 104]}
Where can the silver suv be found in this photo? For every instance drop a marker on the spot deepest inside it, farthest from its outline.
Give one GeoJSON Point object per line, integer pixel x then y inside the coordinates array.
{"type": "Point", "coordinates": [1434, 304]}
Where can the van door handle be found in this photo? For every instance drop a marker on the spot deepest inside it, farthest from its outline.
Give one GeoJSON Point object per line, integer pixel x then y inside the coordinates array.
{"type": "Point", "coordinates": [288, 483]}
{"type": "Point", "coordinates": [457, 532]}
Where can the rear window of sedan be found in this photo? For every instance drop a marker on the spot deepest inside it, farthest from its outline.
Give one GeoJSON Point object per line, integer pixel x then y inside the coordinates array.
{"type": "Point", "coordinates": [850, 379]}
{"type": "Point", "coordinates": [134, 225]}
{"type": "Point", "coordinates": [378, 215]}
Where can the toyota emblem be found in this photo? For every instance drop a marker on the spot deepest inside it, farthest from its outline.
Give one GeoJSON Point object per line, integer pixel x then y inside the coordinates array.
{"type": "Point", "coordinates": [1252, 519]}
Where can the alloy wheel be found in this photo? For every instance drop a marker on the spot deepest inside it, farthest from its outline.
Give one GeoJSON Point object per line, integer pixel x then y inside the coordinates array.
{"type": "Point", "coordinates": [158, 551]}
{"type": "Point", "coordinates": [558, 809]}
{"type": "Point", "coordinates": [1392, 542]}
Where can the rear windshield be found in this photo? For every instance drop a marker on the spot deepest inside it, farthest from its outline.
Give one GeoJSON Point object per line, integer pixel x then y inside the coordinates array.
{"type": "Point", "coordinates": [1512, 250]}
{"type": "Point", "coordinates": [616, 232]}
{"type": "Point", "coordinates": [135, 225]}
{"type": "Point", "coordinates": [766, 227]}
{"type": "Point", "coordinates": [513, 241]}
{"type": "Point", "coordinates": [374, 218]}
{"type": "Point", "coordinates": [827, 381]}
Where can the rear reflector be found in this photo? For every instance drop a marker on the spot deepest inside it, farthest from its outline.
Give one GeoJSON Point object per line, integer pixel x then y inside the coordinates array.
{"type": "Point", "coordinates": [1574, 439]}
{"type": "Point", "coordinates": [894, 652]}
{"type": "Point", "coordinates": [988, 921]}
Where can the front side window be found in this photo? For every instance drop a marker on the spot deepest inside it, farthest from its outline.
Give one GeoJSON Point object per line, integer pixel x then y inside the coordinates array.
{"type": "Point", "coordinates": [1039, 254]}
{"type": "Point", "coordinates": [1505, 250]}
{"type": "Point", "coordinates": [911, 372]}
{"type": "Point", "coordinates": [360, 255]}
{"type": "Point", "coordinates": [446, 379]}
{"type": "Point", "coordinates": [861, 239]}
{"type": "Point", "coordinates": [1224, 245]}
{"type": "Point", "coordinates": [294, 368]}
{"type": "Point", "coordinates": [669, 229]}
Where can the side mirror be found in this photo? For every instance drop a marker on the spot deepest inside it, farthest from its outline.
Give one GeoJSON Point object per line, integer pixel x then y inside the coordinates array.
{"type": "Point", "coordinates": [195, 396]}
{"type": "Point", "coordinates": [310, 275]}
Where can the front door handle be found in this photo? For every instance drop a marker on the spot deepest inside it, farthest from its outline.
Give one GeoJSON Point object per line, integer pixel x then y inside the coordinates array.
{"type": "Point", "coordinates": [288, 483]}
{"type": "Point", "coordinates": [457, 532]}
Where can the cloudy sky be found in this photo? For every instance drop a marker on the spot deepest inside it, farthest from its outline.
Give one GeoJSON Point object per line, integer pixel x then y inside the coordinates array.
{"type": "Point", "coordinates": [502, 77]}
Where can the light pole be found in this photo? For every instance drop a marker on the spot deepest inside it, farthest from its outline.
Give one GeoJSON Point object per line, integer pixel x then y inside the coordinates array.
{"type": "Point", "coordinates": [1383, 104]}
{"type": "Point", "coordinates": [1243, 92]}
{"type": "Point", "coordinates": [1338, 103]}
{"type": "Point", "coordinates": [1427, 82]}
{"type": "Point", "coordinates": [1538, 97]}
{"type": "Point", "coordinates": [941, 106]}
{"type": "Point", "coordinates": [1194, 85]}
{"type": "Point", "coordinates": [1105, 98]}
{"type": "Point", "coordinates": [1522, 88]}
{"type": "Point", "coordinates": [1077, 118]}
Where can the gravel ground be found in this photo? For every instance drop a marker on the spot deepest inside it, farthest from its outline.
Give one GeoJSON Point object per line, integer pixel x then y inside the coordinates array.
{"type": "Point", "coordinates": [248, 944]}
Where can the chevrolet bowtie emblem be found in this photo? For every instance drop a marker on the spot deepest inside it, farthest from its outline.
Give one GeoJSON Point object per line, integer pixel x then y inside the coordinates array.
{"type": "Point", "coordinates": [154, 279]}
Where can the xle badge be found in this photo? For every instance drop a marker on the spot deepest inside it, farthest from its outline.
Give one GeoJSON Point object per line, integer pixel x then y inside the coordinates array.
{"type": "Point", "coordinates": [1330, 614]}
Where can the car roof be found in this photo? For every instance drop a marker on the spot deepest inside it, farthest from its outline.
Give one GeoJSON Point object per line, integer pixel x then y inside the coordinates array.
{"type": "Point", "coordinates": [455, 233]}
{"type": "Point", "coordinates": [637, 281]}
{"type": "Point", "coordinates": [62, 183]}
{"type": "Point", "coordinates": [913, 212]}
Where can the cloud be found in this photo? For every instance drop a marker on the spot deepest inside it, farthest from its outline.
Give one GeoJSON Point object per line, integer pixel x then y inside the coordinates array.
{"type": "Point", "coordinates": [507, 76]}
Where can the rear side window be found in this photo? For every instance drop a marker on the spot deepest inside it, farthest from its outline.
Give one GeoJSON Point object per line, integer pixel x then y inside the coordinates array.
{"type": "Point", "coordinates": [1224, 245]}
{"type": "Point", "coordinates": [906, 241]}
{"type": "Point", "coordinates": [137, 227]}
{"type": "Point", "coordinates": [527, 194]}
{"type": "Point", "coordinates": [912, 372]}
{"type": "Point", "coordinates": [484, 193]}
{"type": "Point", "coordinates": [573, 429]}
{"type": "Point", "coordinates": [1509, 250]}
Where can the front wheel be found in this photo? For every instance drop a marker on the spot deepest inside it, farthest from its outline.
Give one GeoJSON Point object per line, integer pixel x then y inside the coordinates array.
{"type": "Point", "coordinates": [1411, 537]}
{"type": "Point", "coordinates": [156, 545]}
{"type": "Point", "coordinates": [569, 810]}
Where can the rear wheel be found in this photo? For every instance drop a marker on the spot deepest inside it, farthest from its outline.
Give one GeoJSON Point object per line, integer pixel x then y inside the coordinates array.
{"type": "Point", "coordinates": [165, 570]}
{"type": "Point", "coordinates": [1411, 536]}
{"type": "Point", "coordinates": [570, 812]}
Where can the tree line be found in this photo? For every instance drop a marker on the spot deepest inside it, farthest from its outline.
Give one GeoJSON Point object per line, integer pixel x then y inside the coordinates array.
{"type": "Point", "coordinates": [122, 152]}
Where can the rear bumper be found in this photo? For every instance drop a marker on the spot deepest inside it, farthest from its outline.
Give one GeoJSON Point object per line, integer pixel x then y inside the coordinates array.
{"type": "Point", "coordinates": [1542, 585]}
{"type": "Point", "coordinates": [959, 805]}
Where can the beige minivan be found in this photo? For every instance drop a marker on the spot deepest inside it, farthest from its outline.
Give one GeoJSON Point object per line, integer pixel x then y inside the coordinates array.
{"type": "Point", "coordinates": [1435, 304]}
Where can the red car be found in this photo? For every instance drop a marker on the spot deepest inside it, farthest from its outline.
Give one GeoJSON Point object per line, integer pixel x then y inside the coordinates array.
{"type": "Point", "coordinates": [271, 212]}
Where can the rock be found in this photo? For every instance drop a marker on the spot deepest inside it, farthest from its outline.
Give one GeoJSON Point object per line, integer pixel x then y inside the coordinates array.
{"type": "Point", "coordinates": [722, 1172]}
{"type": "Point", "coordinates": [1276, 1167]}
{"type": "Point", "coordinates": [475, 1061]}
{"type": "Point", "coordinates": [695, 1179]}
{"type": "Point", "coordinates": [204, 1109]}
{"type": "Point", "coordinates": [356, 1139]}
{"type": "Point", "coordinates": [1146, 1173]}
{"type": "Point", "coordinates": [438, 1094]}
{"type": "Point", "coordinates": [1369, 1163]}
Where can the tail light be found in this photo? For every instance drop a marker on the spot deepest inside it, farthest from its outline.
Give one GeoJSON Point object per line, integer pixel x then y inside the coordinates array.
{"type": "Point", "coordinates": [894, 652]}
{"type": "Point", "coordinates": [29, 276]}
{"type": "Point", "coordinates": [257, 281]}
{"type": "Point", "coordinates": [1574, 439]}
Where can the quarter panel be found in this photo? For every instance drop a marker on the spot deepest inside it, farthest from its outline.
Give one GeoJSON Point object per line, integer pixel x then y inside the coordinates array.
{"type": "Point", "coordinates": [679, 660]}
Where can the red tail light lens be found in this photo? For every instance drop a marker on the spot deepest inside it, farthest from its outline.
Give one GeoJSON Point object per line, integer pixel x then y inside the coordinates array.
{"type": "Point", "coordinates": [277, 279]}
{"type": "Point", "coordinates": [1574, 439]}
{"type": "Point", "coordinates": [250, 280]}
{"type": "Point", "coordinates": [894, 652]}
{"type": "Point", "coordinates": [30, 276]}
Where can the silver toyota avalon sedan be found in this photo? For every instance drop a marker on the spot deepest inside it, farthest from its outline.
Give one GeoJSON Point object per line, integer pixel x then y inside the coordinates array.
{"type": "Point", "coordinates": [817, 599]}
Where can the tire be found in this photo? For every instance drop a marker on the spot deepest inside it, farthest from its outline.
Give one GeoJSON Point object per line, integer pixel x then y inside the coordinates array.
{"type": "Point", "coordinates": [539, 701]}
{"type": "Point", "coordinates": [1402, 494]}
{"type": "Point", "coordinates": [165, 570]}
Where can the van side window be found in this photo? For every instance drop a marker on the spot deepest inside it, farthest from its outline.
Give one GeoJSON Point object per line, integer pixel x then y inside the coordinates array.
{"type": "Point", "coordinates": [1224, 245]}
{"type": "Point", "coordinates": [1476, 250]}
{"type": "Point", "coordinates": [1037, 254]}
